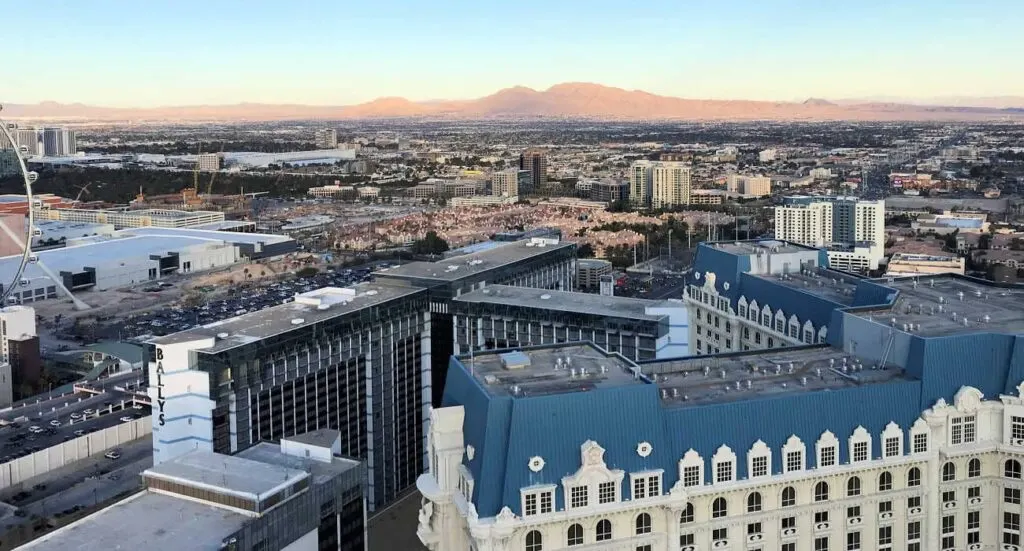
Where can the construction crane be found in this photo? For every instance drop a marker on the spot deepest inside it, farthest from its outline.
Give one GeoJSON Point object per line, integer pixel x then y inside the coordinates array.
{"type": "Point", "coordinates": [81, 190]}
{"type": "Point", "coordinates": [209, 188]}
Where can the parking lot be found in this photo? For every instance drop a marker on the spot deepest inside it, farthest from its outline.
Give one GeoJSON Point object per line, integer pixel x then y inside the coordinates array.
{"type": "Point", "coordinates": [239, 301]}
{"type": "Point", "coordinates": [52, 418]}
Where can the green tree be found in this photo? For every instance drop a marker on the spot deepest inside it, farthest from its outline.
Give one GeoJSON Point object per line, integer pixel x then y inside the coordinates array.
{"type": "Point", "coordinates": [585, 250]}
{"type": "Point", "coordinates": [430, 244]}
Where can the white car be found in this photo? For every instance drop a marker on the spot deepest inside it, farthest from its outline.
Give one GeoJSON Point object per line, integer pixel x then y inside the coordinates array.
{"type": "Point", "coordinates": [89, 412]}
{"type": "Point", "coordinates": [55, 423]}
{"type": "Point", "coordinates": [136, 406]}
{"type": "Point", "coordinates": [126, 419]}
{"type": "Point", "coordinates": [35, 429]}
{"type": "Point", "coordinates": [77, 415]}
{"type": "Point", "coordinates": [112, 454]}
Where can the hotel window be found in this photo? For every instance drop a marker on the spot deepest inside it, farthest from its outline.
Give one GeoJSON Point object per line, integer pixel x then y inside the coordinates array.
{"type": "Point", "coordinates": [920, 442]}
{"type": "Point", "coordinates": [860, 451]}
{"type": "Point", "coordinates": [884, 506]}
{"type": "Point", "coordinates": [820, 517]}
{"type": "Point", "coordinates": [948, 472]}
{"type": "Point", "coordinates": [892, 446]}
{"type": "Point", "coordinates": [809, 336]}
{"type": "Point", "coordinates": [788, 496]}
{"type": "Point", "coordinates": [884, 535]}
{"type": "Point", "coordinates": [780, 326]}
{"type": "Point", "coordinates": [643, 524]}
{"type": "Point", "coordinates": [719, 534]}
{"type": "Point", "coordinates": [685, 540]}
{"type": "Point", "coordinates": [719, 508]}
{"type": "Point", "coordinates": [753, 528]}
{"type": "Point", "coordinates": [885, 482]}
{"type": "Point", "coordinates": [1011, 469]}
{"type": "Point", "coordinates": [973, 492]}
{"type": "Point", "coordinates": [853, 487]}
{"type": "Point", "coordinates": [828, 456]}
{"type": "Point", "coordinates": [545, 501]}
{"type": "Point", "coordinates": [654, 485]}
{"type": "Point", "coordinates": [759, 466]}
{"type": "Point", "coordinates": [821, 491]}
{"type": "Point", "coordinates": [723, 471]}
{"type": "Point", "coordinates": [574, 536]}
{"type": "Point", "coordinates": [754, 502]}
{"type": "Point", "coordinates": [1011, 528]}
{"type": "Point", "coordinates": [578, 496]}
{"type": "Point", "coordinates": [914, 530]}
{"type": "Point", "coordinates": [853, 541]}
{"type": "Point", "coordinates": [604, 530]}
{"type": "Point", "coordinates": [962, 430]}
{"type": "Point", "coordinates": [821, 544]}
{"type": "Point", "coordinates": [1017, 429]}
{"type": "Point", "coordinates": [691, 476]}
{"type": "Point", "coordinates": [606, 492]}
{"type": "Point", "coordinates": [789, 546]}
{"type": "Point", "coordinates": [788, 522]}
{"type": "Point", "coordinates": [974, 468]}
{"type": "Point", "coordinates": [913, 501]}
{"type": "Point", "coordinates": [639, 487]}
{"type": "Point", "coordinates": [794, 461]}
{"type": "Point", "coordinates": [742, 311]}
{"type": "Point", "coordinates": [913, 477]}
{"type": "Point", "coordinates": [853, 512]}
{"type": "Point", "coordinates": [948, 529]}
{"type": "Point", "coordinates": [1011, 496]}
{"type": "Point", "coordinates": [766, 320]}
{"type": "Point", "coordinates": [686, 516]}
{"type": "Point", "coordinates": [534, 541]}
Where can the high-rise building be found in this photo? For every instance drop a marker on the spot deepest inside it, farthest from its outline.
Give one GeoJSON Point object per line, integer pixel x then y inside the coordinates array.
{"type": "Point", "coordinates": [326, 138]}
{"type": "Point", "coordinates": [59, 142]}
{"type": "Point", "coordinates": [506, 183]}
{"type": "Point", "coordinates": [17, 325]}
{"type": "Point", "coordinates": [16, 322]}
{"type": "Point", "coordinates": [852, 230]}
{"type": "Point", "coordinates": [904, 432]}
{"type": "Point", "coordinates": [670, 184]}
{"type": "Point", "coordinates": [210, 162]}
{"type": "Point", "coordinates": [9, 163]}
{"type": "Point", "coordinates": [767, 155]}
{"type": "Point", "coordinates": [609, 192]}
{"type": "Point", "coordinates": [535, 161]}
{"type": "Point", "coordinates": [749, 186]}
{"type": "Point", "coordinates": [640, 190]}
{"type": "Point", "coordinates": [30, 141]}
{"type": "Point", "coordinates": [355, 360]}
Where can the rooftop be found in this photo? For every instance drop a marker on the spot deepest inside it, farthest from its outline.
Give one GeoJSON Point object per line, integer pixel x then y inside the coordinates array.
{"type": "Point", "coordinates": [565, 301]}
{"type": "Point", "coordinates": [456, 268]}
{"type": "Point", "coordinates": [307, 309]}
{"type": "Point", "coordinates": [758, 247]}
{"type": "Point", "coordinates": [227, 474]}
{"type": "Point", "coordinates": [141, 522]}
{"type": "Point", "coordinates": [270, 454]}
{"type": "Point", "coordinates": [543, 370]}
{"type": "Point", "coordinates": [947, 304]}
{"type": "Point", "coordinates": [827, 284]}
{"type": "Point", "coordinates": [743, 376]}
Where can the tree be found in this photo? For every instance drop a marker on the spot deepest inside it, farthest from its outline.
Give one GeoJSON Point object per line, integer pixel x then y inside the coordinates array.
{"type": "Point", "coordinates": [585, 250]}
{"type": "Point", "coordinates": [430, 244]}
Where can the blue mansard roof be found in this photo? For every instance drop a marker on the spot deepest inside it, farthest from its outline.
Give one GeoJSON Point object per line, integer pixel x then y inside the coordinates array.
{"type": "Point", "coordinates": [508, 429]}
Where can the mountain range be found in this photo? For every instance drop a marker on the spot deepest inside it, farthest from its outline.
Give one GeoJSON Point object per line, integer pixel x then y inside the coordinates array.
{"type": "Point", "coordinates": [574, 100]}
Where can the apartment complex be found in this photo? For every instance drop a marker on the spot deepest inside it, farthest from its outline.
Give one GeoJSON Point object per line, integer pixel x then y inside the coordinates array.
{"type": "Point", "coordinates": [209, 162]}
{"type": "Point", "coordinates": [851, 229]}
{"type": "Point", "coordinates": [534, 161]}
{"type": "Point", "coordinates": [749, 186]}
{"type": "Point", "coordinates": [326, 138]}
{"type": "Point", "coordinates": [355, 360]}
{"type": "Point", "coordinates": [659, 184]}
{"type": "Point", "coordinates": [905, 431]}
{"type": "Point", "coordinates": [506, 183]}
{"type": "Point", "coordinates": [121, 219]}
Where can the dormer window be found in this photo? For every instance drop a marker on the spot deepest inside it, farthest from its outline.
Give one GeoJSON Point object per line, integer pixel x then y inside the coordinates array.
{"type": "Point", "coordinates": [607, 492]}
{"type": "Point", "coordinates": [538, 501]}
{"type": "Point", "coordinates": [578, 497]}
{"type": "Point", "coordinates": [646, 485]}
{"type": "Point", "coordinates": [962, 430]}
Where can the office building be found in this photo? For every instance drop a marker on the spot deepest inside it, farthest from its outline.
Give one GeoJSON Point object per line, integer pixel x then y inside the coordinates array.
{"type": "Point", "coordinates": [17, 332]}
{"type": "Point", "coordinates": [905, 431]}
{"type": "Point", "coordinates": [609, 192]}
{"type": "Point", "coordinates": [326, 138]}
{"type": "Point", "coordinates": [708, 196]}
{"type": "Point", "coordinates": [749, 186]}
{"type": "Point", "coordinates": [670, 184]}
{"type": "Point", "coordinates": [30, 141]}
{"type": "Point", "coordinates": [58, 142]}
{"type": "Point", "coordinates": [502, 316]}
{"type": "Point", "coordinates": [209, 162]}
{"type": "Point", "coordinates": [589, 272]}
{"type": "Point", "coordinates": [534, 161]}
{"type": "Point", "coordinates": [851, 229]}
{"type": "Point", "coordinates": [506, 183]}
{"type": "Point", "coordinates": [355, 360]}
{"type": "Point", "coordinates": [299, 495]}
{"type": "Point", "coordinates": [540, 262]}
{"type": "Point", "coordinates": [16, 323]}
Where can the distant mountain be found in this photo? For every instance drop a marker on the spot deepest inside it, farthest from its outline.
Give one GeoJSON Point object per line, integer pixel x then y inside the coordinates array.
{"type": "Point", "coordinates": [568, 100]}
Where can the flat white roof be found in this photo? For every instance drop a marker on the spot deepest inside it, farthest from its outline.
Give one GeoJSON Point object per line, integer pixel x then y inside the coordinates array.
{"type": "Point", "coordinates": [227, 474]}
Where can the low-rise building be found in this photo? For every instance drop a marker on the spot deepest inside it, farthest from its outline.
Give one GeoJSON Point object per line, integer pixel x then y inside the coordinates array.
{"type": "Point", "coordinates": [916, 264]}
{"type": "Point", "coordinates": [589, 272]}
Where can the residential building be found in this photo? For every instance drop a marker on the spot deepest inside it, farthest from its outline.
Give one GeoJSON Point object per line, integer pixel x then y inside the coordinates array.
{"type": "Point", "coordinates": [326, 138]}
{"type": "Point", "coordinates": [355, 360]}
{"type": "Point", "coordinates": [749, 186]}
{"type": "Point", "coordinates": [904, 431]}
{"type": "Point", "coordinates": [670, 184]}
{"type": "Point", "coordinates": [589, 272]}
{"type": "Point", "coordinates": [502, 316]}
{"type": "Point", "coordinates": [49, 142]}
{"type": "Point", "coordinates": [708, 196]}
{"type": "Point", "coordinates": [640, 186]}
{"type": "Point", "coordinates": [209, 162]}
{"type": "Point", "coordinates": [506, 183]}
{"type": "Point", "coordinates": [609, 192]}
{"type": "Point", "coordinates": [767, 155]}
{"type": "Point", "coordinates": [30, 141]}
{"type": "Point", "coordinates": [853, 230]}
{"type": "Point", "coordinates": [299, 495]}
{"type": "Point", "coordinates": [534, 161]}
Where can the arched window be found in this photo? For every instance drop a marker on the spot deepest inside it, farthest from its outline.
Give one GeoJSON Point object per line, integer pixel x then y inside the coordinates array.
{"type": "Point", "coordinates": [885, 482]}
{"type": "Point", "coordinates": [1012, 469]}
{"type": "Point", "coordinates": [788, 496]}
{"type": "Point", "coordinates": [643, 524]}
{"type": "Point", "coordinates": [575, 535]}
{"type": "Point", "coordinates": [913, 477]}
{"type": "Point", "coordinates": [853, 486]}
{"type": "Point", "coordinates": [534, 542]}
{"type": "Point", "coordinates": [974, 468]}
{"type": "Point", "coordinates": [754, 502]}
{"type": "Point", "coordinates": [821, 491]}
{"type": "Point", "coordinates": [948, 472]}
{"type": "Point", "coordinates": [686, 516]}
{"type": "Point", "coordinates": [719, 508]}
{"type": "Point", "coordinates": [604, 530]}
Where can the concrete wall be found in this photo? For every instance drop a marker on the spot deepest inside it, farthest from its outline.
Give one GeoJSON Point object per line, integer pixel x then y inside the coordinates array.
{"type": "Point", "coordinates": [43, 461]}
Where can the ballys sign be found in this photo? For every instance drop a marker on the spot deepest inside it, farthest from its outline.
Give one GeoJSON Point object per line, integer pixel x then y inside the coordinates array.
{"type": "Point", "coordinates": [160, 400]}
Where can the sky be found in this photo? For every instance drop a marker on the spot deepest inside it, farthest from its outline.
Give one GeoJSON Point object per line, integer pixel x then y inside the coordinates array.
{"type": "Point", "coordinates": [132, 53]}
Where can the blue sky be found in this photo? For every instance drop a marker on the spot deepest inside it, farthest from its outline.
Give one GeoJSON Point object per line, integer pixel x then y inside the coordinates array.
{"type": "Point", "coordinates": [336, 52]}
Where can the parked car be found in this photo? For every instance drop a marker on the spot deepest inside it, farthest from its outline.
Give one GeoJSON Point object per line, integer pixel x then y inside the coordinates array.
{"type": "Point", "coordinates": [113, 454]}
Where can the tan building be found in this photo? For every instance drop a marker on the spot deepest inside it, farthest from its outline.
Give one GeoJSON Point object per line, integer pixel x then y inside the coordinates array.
{"type": "Point", "coordinates": [749, 186]}
{"type": "Point", "coordinates": [589, 272]}
{"type": "Point", "coordinates": [923, 264]}
{"type": "Point", "coordinates": [707, 197]}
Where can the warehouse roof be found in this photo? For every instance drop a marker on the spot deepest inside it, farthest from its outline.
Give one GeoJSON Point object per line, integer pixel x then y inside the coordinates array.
{"type": "Point", "coordinates": [565, 301]}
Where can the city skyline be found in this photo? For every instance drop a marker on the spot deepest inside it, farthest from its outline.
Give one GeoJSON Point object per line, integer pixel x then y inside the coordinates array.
{"type": "Point", "coordinates": [121, 55]}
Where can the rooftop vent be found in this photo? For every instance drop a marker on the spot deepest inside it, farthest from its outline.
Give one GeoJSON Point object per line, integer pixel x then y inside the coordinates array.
{"type": "Point", "coordinates": [298, 321]}
{"type": "Point", "coordinates": [222, 335]}
{"type": "Point", "coordinates": [371, 292]}
{"type": "Point", "coordinates": [977, 293]}
{"type": "Point", "coordinates": [514, 360]}
{"type": "Point", "coordinates": [323, 306]}
{"type": "Point", "coordinates": [545, 296]}
{"type": "Point", "coordinates": [987, 318]}
{"type": "Point", "coordinates": [960, 295]}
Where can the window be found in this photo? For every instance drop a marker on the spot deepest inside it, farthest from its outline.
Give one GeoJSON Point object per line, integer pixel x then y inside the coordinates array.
{"type": "Point", "coordinates": [606, 492]}
{"type": "Point", "coordinates": [920, 442]}
{"type": "Point", "coordinates": [719, 534]}
{"type": "Point", "coordinates": [853, 541]}
{"type": "Point", "coordinates": [884, 535]}
{"type": "Point", "coordinates": [1011, 495]}
{"type": "Point", "coordinates": [639, 487]}
{"type": "Point", "coordinates": [948, 496]}
{"type": "Point", "coordinates": [789, 547]}
{"type": "Point", "coordinates": [753, 528]}
{"type": "Point", "coordinates": [974, 468]}
{"type": "Point", "coordinates": [780, 326]}
{"type": "Point", "coordinates": [530, 505]}
{"type": "Point", "coordinates": [948, 542]}
{"type": "Point", "coordinates": [759, 466]}
{"type": "Point", "coordinates": [973, 520]}
{"type": "Point", "coordinates": [821, 544]}
{"type": "Point", "coordinates": [821, 491]}
{"type": "Point", "coordinates": [719, 508]}
{"type": "Point", "coordinates": [723, 471]}
{"type": "Point", "coordinates": [1016, 428]}
{"type": "Point", "coordinates": [754, 502]}
{"type": "Point", "coordinates": [884, 506]}
{"type": "Point", "coordinates": [853, 512]}
{"type": "Point", "coordinates": [973, 492]}
{"type": "Point", "coordinates": [604, 530]}
{"type": "Point", "coordinates": [534, 542]}
{"type": "Point", "coordinates": [545, 502]}
{"type": "Point", "coordinates": [691, 476]}
{"type": "Point", "coordinates": [643, 524]}
{"type": "Point", "coordinates": [575, 535]}
{"type": "Point", "coordinates": [914, 530]}
{"type": "Point", "coordinates": [578, 496]}
{"type": "Point", "coordinates": [913, 501]}
{"type": "Point", "coordinates": [913, 477]}
{"type": "Point", "coordinates": [686, 516]}
{"type": "Point", "coordinates": [860, 451]}
{"type": "Point", "coordinates": [1012, 469]}
{"type": "Point", "coordinates": [788, 522]}
{"type": "Point", "coordinates": [885, 482]}
{"type": "Point", "coordinates": [892, 446]}
{"type": "Point", "coordinates": [828, 456]}
{"type": "Point", "coordinates": [685, 540]}
{"type": "Point", "coordinates": [853, 487]}
{"type": "Point", "coordinates": [788, 496]}
{"type": "Point", "coordinates": [654, 485]}
{"type": "Point", "coordinates": [948, 524]}
{"type": "Point", "coordinates": [962, 430]}
{"type": "Point", "coordinates": [794, 461]}
{"type": "Point", "coordinates": [948, 472]}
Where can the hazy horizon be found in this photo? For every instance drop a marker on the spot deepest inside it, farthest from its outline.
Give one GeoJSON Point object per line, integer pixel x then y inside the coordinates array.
{"type": "Point", "coordinates": [117, 53]}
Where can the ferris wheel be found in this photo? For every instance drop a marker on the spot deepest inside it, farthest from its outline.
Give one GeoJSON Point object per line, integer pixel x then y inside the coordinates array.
{"type": "Point", "coordinates": [24, 240]}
